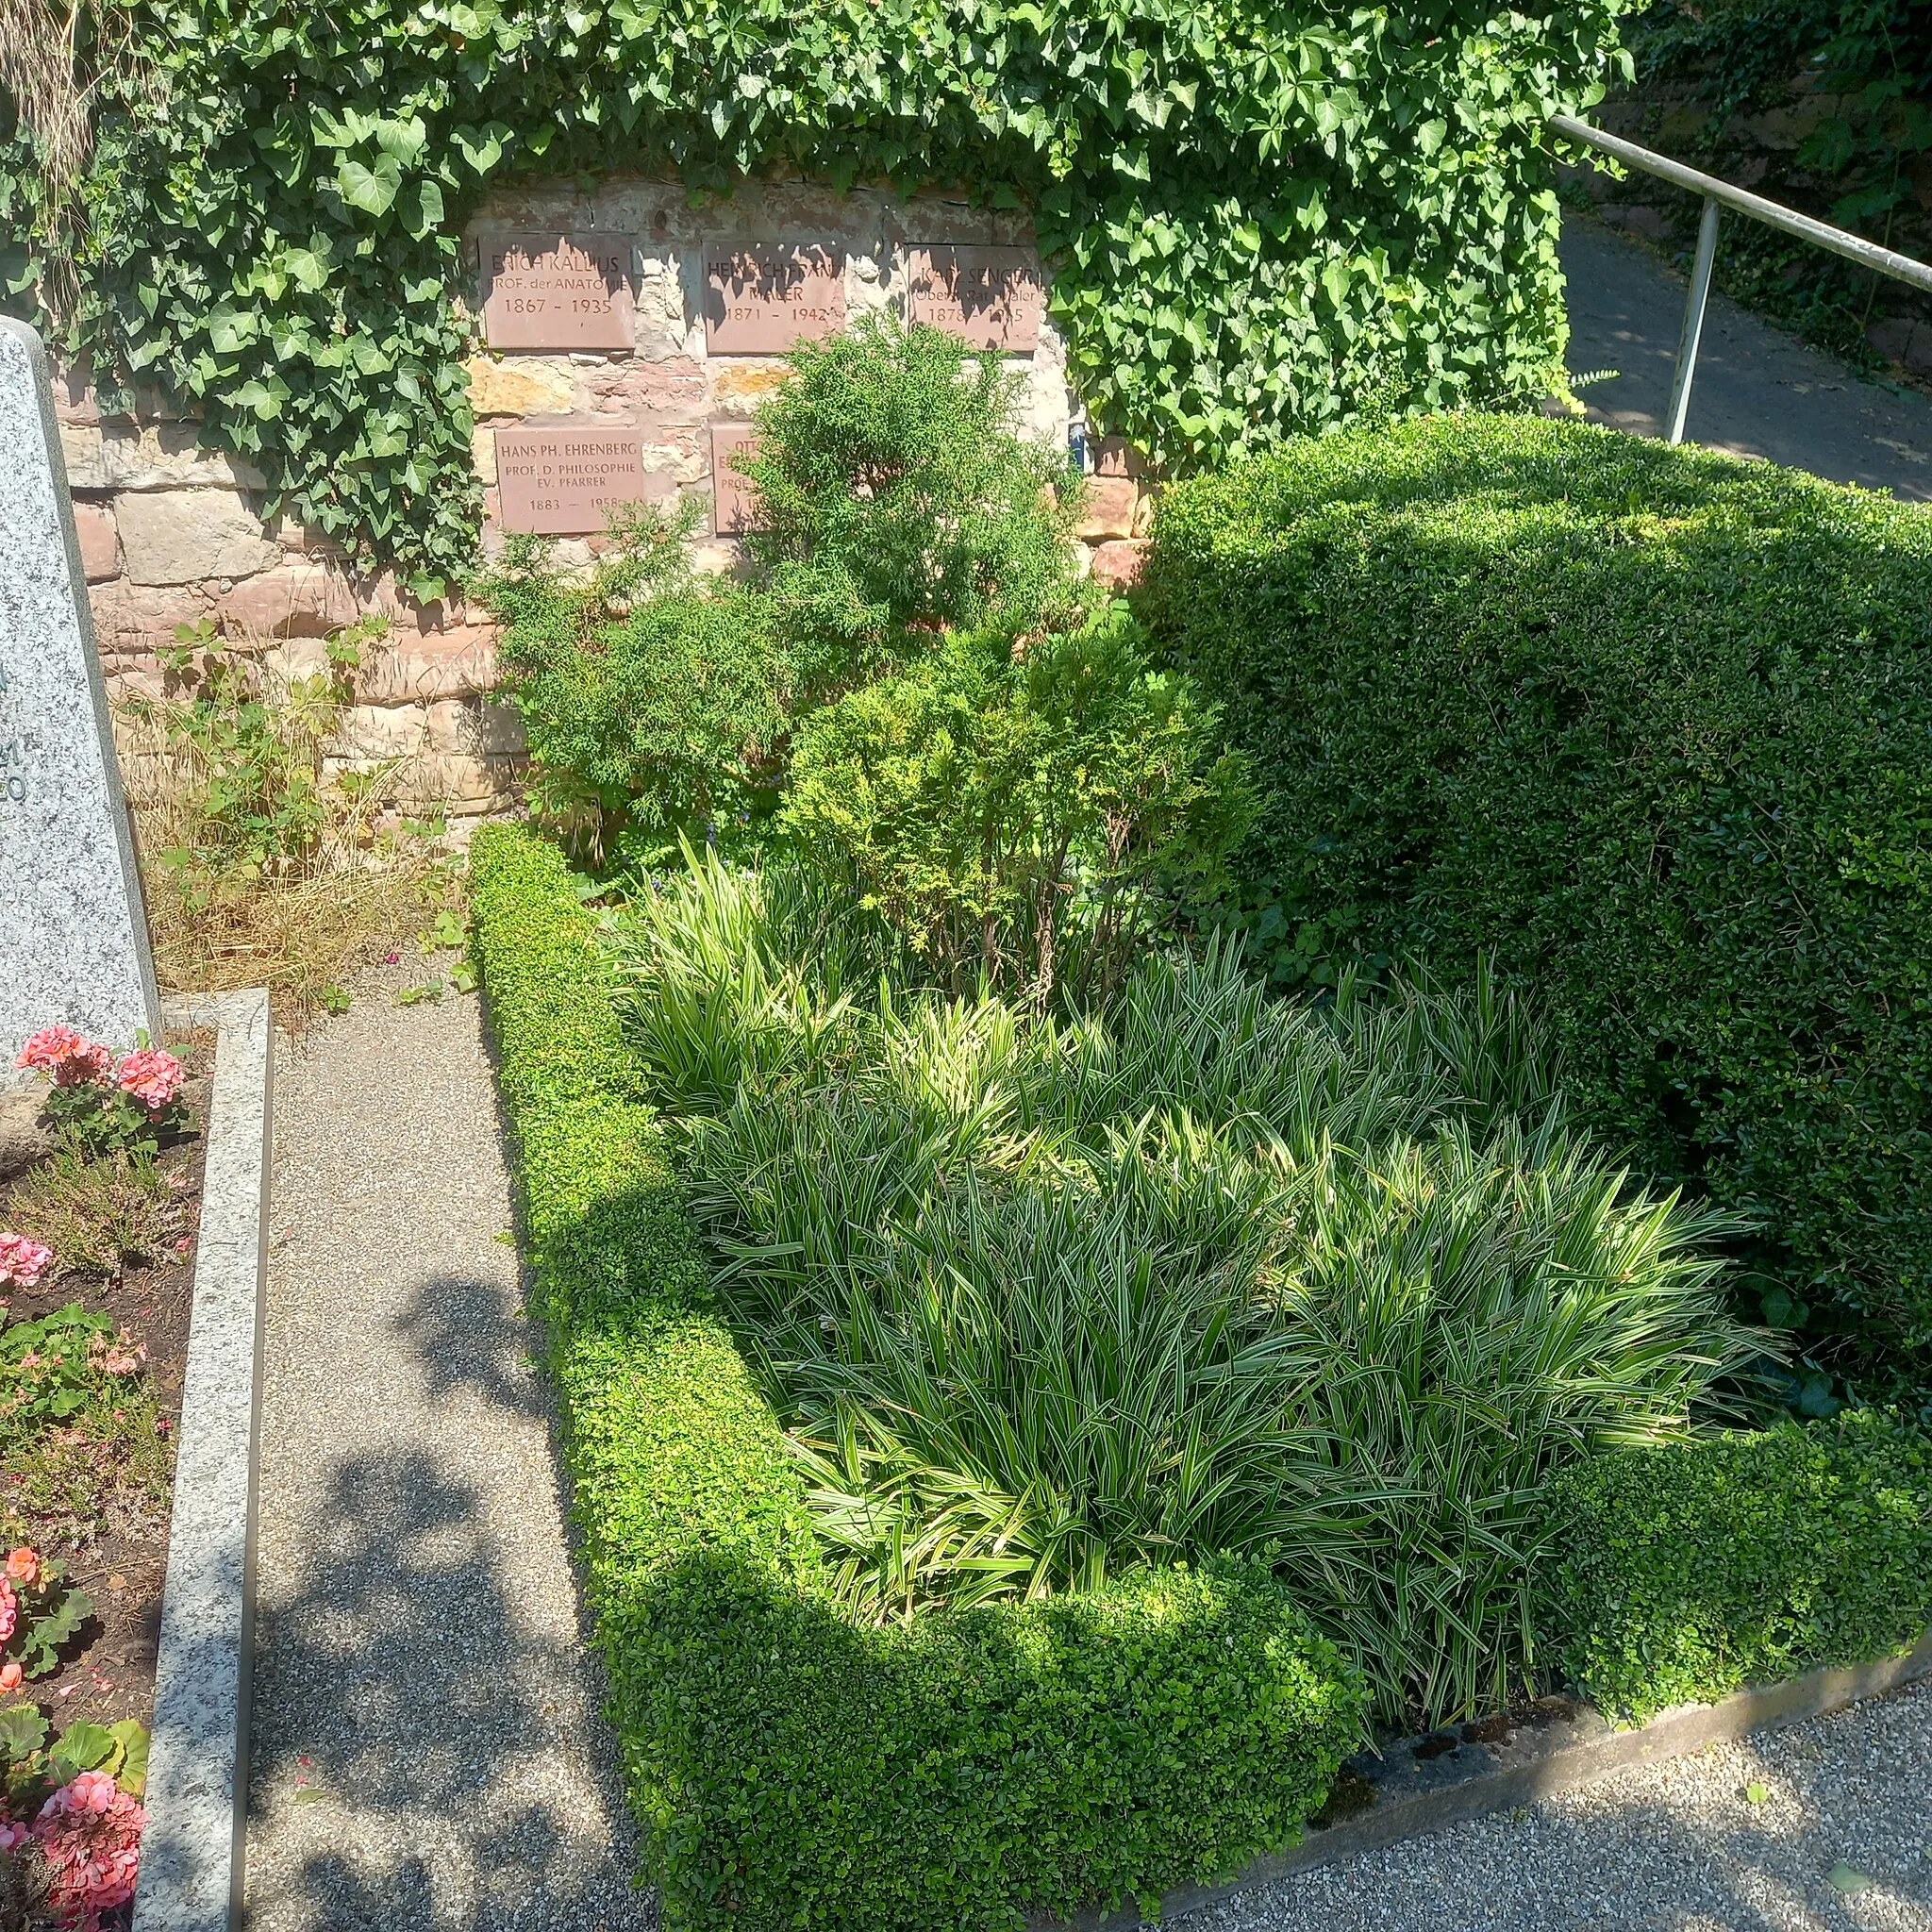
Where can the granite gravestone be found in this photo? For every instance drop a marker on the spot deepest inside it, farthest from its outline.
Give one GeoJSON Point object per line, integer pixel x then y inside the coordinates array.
{"type": "Point", "coordinates": [763, 300]}
{"type": "Point", "coordinates": [733, 501]}
{"type": "Point", "coordinates": [994, 297]}
{"type": "Point", "coordinates": [72, 935]}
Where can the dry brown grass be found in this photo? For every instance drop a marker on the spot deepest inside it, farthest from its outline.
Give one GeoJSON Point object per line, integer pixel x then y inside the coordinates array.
{"type": "Point", "coordinates": [346, 880]}
{"type": "Point", "coordinates": [297, 937]}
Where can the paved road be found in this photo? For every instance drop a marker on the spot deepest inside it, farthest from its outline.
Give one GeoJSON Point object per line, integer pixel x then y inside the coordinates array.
{"type": "Point", "coordinates": [1757, 393]}
{"type": "Point", "coordinates": [428, 1755]}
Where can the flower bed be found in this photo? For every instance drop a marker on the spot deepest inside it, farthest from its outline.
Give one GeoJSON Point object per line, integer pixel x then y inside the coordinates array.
{"type": "Point", "coordinates": [787, 1764]}
{"type": "Point", "coordinates": [96, 1255]}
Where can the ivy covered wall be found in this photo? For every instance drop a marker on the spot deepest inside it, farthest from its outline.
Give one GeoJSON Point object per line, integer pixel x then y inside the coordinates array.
{"type": "Point", "coordinates": [1261, 217]}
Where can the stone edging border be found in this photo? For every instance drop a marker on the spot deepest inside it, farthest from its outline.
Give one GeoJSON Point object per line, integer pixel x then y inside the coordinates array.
{"type": "Point", "coordinates": [1425, 1784]}
{"type": "Point", "coordinates": [197, 1788]}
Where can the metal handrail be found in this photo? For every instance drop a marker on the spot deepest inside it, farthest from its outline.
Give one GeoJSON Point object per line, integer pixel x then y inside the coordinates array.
{"type": "Point", "coordinates": [1715, 192]}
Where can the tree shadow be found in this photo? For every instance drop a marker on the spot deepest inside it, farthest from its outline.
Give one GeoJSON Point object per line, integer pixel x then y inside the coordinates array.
{"type": "Point", "coordinates": [425, 1753]}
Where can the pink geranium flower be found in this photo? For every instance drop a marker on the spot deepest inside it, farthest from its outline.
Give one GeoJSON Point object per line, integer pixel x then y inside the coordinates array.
{"type": "Point", "coordinates": [11, 1674]}
{"type": "Point", "coordinates": [10, 1610]}
{"type": "Point", "coordinates": [22, 1259]}
{"type": "Point", "coordinates": [23, 1565]}
{"type": "Point", "coordinates": [151, 1076]}
{"type": "Point", "coordinates": [67, 1058]}
{"type": "Point", "coordinates": [89, 1837]}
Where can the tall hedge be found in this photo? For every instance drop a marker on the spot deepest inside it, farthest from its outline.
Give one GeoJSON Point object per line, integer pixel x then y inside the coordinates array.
{"type": "Point", "coordinates": [1258, 215]}
{"type": "Point", "coordinates": [1652, 728]}
{"type": "Point", "coordinates": [787, 1766]}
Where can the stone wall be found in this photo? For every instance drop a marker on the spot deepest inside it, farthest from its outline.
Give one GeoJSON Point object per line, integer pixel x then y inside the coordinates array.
{"type": "Point", "coordinates": [172, 534]}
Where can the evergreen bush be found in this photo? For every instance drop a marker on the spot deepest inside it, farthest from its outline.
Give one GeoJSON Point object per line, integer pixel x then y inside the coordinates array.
{"type": "Point", "coordinates": [1651, 729]}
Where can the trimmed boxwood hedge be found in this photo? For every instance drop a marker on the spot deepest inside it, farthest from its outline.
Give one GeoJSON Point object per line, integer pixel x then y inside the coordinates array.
{"type": "Point", "coordinates": [787, 1766]}
{"type": "Point", "coordinates": [1692, 1571]}
{"type": "Point", "coordinates": [1651, 726]}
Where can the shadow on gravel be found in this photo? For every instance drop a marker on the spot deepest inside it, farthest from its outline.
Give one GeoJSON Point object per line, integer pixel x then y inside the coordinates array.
{"type": "Point", "coordinates": [400, 1715]}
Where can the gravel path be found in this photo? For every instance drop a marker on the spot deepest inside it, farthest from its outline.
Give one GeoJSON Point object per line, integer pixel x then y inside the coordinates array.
{"type": "Point", "coordinates": [1675, 1845]}
{"type": "Point", "coordinates": [427, 1747]}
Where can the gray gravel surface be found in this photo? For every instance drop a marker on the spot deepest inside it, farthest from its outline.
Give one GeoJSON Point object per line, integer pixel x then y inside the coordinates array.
{"type": "Point", "coordinates": [1675, 1845]}
{"type": "Point", "coordinates": [429, 1750]}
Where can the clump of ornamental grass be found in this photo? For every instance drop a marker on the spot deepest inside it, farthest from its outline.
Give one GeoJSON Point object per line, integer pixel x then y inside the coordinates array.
{"type": "Point", "coordinates": [1043, 1300]}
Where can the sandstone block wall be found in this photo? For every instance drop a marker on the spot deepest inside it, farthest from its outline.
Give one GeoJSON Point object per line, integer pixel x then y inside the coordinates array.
{"type": "Point", "coordinates": [171, 533]}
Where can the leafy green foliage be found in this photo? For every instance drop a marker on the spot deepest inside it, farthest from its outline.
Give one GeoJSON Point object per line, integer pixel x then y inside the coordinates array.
{"type": "Point", "coordinates": [654, 705]}
{"type": "Point", "coordinates": [1261, 215]}
{"type": "Point", "coordinates": [47, 1612]}
{"type": "Point", "coordinates": [245, 785]}
{"type": "Point", "coordinates": [49, 1366]}
{"type": "Point", "coordinates": [895, 495]}
{"type": "Point", "coordinates": [1692, 1571]}
{"type": "Point", "coordinates": [1047, 1302]}
{"type": "Point", "coordinates": [31, 1767]}
{"type": "Point", "coordinates": [1029, 811]}
{"type": "Point", "coordinates": [959, 1771]}
{"type": "Point", "coordinates": [1650, 727]}
{"type": "Point", "coordinates": [1847, 85]}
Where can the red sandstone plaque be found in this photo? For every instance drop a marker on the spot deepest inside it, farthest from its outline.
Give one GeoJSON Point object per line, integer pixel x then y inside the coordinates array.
{"type": "Point", "coordinates": [994, 297]}
{"type": "Point", "coordinates": [566, 482]}
{"type": "Point", "coordinates": [760, 301]}
{"type": "Point", "coordinates": [733, 504]}
{"type": "Point", "coordinates": [542, 290]}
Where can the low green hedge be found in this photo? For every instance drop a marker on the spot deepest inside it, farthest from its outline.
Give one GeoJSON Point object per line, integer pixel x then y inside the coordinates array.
{"type": "Point", "coordinates": [1689, 1571]}
{"type": "Point", "coordinates": [787, 1766]}
{"type": "Point", "coordinates": [1652, 726]}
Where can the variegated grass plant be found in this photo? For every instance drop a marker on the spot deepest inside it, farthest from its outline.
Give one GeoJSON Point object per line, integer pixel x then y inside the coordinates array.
{"type": "Point", "coordinates": [1043, 1300]}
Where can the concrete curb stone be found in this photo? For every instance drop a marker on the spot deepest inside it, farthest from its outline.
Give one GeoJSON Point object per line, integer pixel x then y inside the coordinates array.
{"type": "Point", "coordinates": [191, 1851]}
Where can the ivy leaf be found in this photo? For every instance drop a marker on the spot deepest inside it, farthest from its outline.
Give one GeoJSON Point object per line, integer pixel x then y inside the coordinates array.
{"type": "Point", "coordinates": [1429, 136]}
{"type": "Point", "coordinates": [482, 147]}
{"type": "Point", "coordinates": [307, 267]}
{"type": "Point", "coordinates": [258, 396]}
{"type": "Point", "coordinates": [404, 140]}
{"type": "Point", "coordinates": [1335, 281]}
{"type": "Point", "coordinates": [372, 190]}
{"type": "Point", "coordinates": [423, 208]}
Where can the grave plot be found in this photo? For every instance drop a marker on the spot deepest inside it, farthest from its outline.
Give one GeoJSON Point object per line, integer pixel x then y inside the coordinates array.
{"type": "Point", "coordinates": [100, 1176]}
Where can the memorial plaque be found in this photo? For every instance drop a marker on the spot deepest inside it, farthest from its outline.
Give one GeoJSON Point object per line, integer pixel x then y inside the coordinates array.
{"type": "Point", "coordinates": [542, 290]}
{"type": "Point", "coordinates": [760, 301]}
{"type": "Point", "coordinates": [566, 482]}
{"type": "Point", "coordinates": [733, 502]}
{"type": "Point", "coordinates": [994, 297]}
{"type": "Point", "coordinates": [75, 950]}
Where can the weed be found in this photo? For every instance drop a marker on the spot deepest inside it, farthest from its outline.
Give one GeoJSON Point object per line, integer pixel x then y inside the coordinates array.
{"type": "Point", "coordinates": [101, 1216]}
{"type": "Point", "coordinates": [260, 867]}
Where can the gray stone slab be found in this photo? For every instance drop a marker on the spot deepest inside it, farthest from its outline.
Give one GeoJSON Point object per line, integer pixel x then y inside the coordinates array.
{"type": "Point", "coordinates": [1461, 1773]}
{"type": "Point", "coordinates": [191, 1854]}
{"type": "Point", "coordinates": [72, 935]}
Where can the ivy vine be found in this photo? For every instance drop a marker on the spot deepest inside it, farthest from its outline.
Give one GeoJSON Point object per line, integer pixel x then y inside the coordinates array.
{"type": "Point", "coordinates": [1262, 218]}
